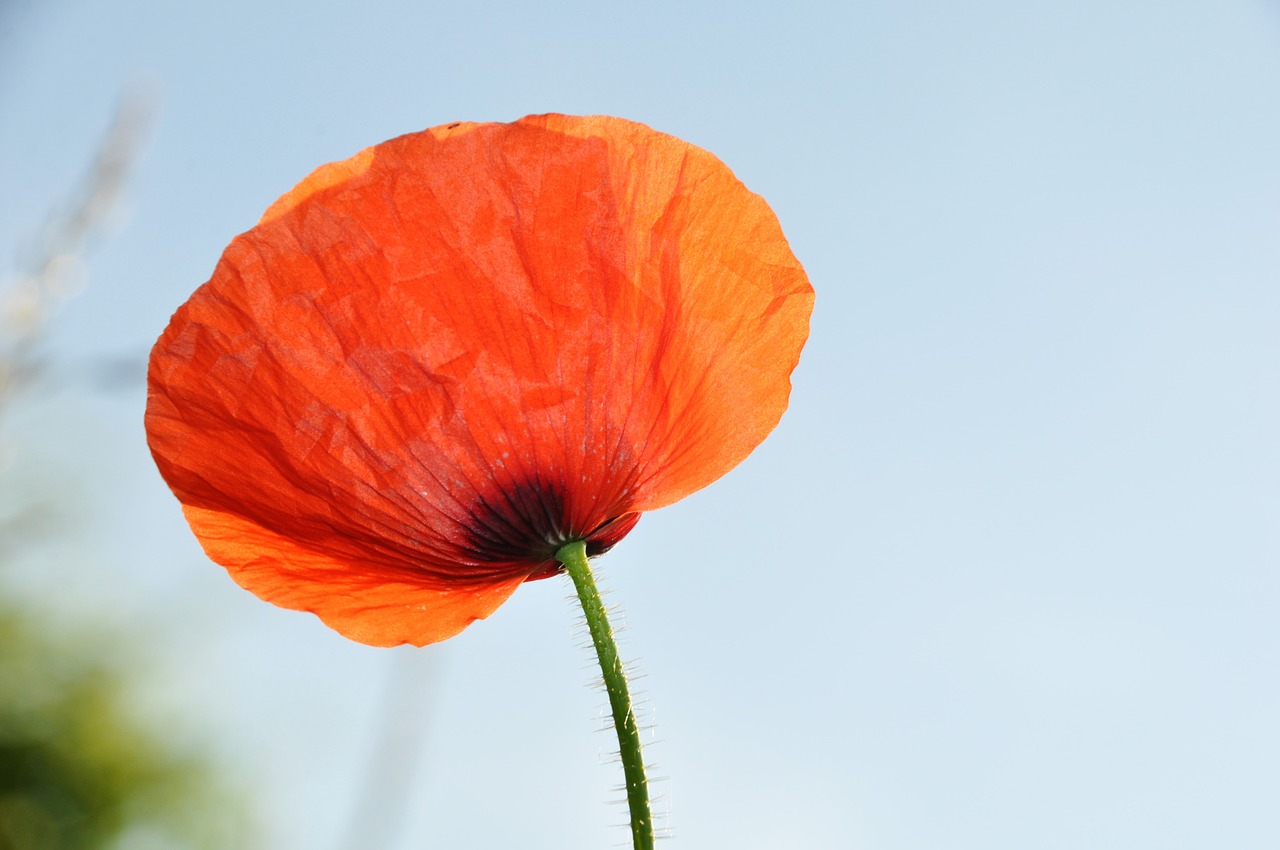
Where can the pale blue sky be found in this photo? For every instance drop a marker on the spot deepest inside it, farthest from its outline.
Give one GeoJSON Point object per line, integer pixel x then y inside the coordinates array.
{"type": "Point", "coordinates": [1005, 578]}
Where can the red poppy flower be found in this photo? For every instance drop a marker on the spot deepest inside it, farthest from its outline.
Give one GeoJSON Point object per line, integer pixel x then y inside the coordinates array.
{"type": "Point", "coordinates": [431, 365]}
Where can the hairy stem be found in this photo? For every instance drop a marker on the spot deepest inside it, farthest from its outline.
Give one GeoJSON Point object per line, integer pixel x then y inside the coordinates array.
{"type": "Point", "coordinates": [574, 558]}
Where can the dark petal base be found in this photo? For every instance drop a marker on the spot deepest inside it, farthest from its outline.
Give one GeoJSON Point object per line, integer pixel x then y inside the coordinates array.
{"type": "Point", "coordinates": [528, 524]}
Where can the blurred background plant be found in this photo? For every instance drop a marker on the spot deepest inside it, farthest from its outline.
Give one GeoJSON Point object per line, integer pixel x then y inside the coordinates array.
{"type": "Point", "coordinates": [83, 763]}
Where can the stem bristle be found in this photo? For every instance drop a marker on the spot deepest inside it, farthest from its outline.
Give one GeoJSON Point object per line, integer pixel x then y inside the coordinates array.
{"type": "Point", "coordinates": [573, 556]}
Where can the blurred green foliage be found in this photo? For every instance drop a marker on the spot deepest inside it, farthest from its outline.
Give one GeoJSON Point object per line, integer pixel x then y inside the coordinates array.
{"type": "Point", "coordinates": [80, 767]}
{"type": "Point", "coordinates": [78, 770]}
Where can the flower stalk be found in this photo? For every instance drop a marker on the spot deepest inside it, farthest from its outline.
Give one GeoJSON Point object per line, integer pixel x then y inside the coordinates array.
{"type": "Point", "coordinates": [574, 558]}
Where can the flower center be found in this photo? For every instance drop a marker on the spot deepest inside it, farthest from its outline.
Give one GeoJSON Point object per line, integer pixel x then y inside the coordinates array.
{"type": "Point", "coordinates": [517, 523]}
{"type": "Point", "coordinates": [528, 522]}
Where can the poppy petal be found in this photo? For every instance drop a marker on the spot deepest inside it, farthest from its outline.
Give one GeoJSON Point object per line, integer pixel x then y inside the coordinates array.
{"type": "Point", "coordinates": [372, 606]}
{"type": "Point", "coordinates": [707, 323]}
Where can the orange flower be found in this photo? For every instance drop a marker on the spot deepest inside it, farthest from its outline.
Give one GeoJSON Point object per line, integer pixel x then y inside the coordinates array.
{"type": "Point", "coordinates": [431, 365]}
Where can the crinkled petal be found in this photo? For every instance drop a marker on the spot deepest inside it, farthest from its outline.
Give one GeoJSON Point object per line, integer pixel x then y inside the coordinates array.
{"type": "Point", "coordinates": [371, 605]}
{"type": "Point", "coordinates": [446, 356]}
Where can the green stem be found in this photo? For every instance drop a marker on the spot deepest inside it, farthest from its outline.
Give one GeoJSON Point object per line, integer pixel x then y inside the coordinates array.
{"type": "Point", "coordinates": [574, 557]}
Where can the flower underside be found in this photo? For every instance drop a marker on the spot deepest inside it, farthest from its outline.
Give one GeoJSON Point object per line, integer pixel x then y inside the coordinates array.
{"type": "Point", "coordinates": [529, 522]}
{"type": "Point", "coordinates": [430, 366]}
